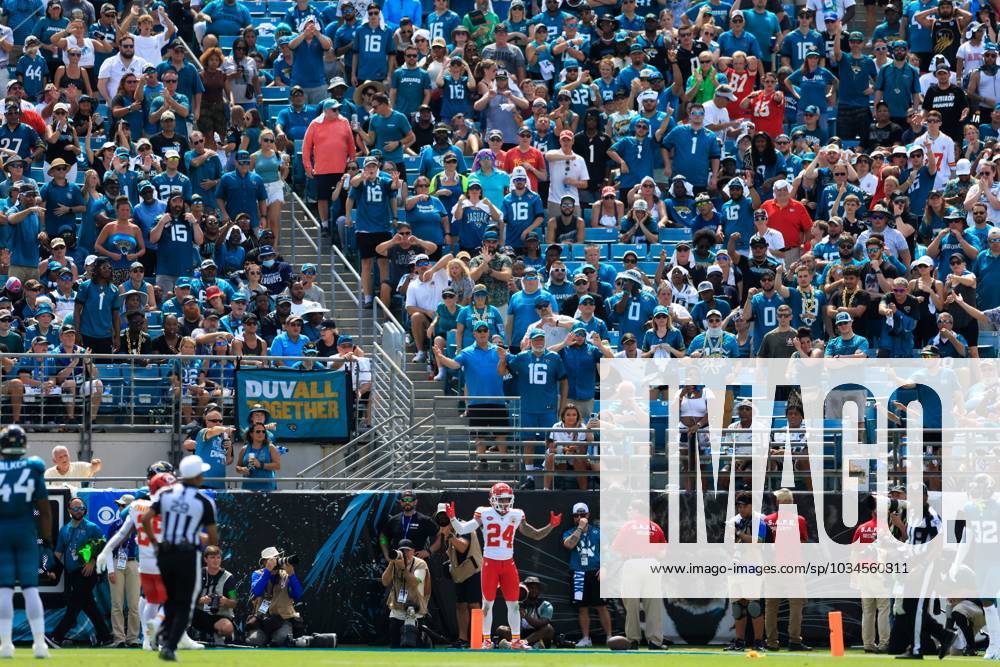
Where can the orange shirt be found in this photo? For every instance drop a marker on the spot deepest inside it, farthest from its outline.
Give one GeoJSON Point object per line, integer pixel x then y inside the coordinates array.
{"type": "Point", "coordinates": [328, 146]}
{"type": "Point", "coordinates": [534, 157]}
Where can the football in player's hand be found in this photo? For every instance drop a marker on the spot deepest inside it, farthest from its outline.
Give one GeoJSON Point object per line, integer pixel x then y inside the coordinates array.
{"type": "Point", "coordinates": [618, 643]}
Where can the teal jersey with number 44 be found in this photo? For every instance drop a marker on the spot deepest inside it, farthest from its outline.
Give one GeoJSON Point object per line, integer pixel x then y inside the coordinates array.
{"type": "Point", "coordinates": [22, 482]}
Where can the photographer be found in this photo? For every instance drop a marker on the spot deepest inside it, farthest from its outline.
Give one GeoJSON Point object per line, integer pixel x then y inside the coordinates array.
{"type": "Point", "coordinates": [536, 615]}
{"type": "Point", "coordinates": [465, 563]}
{"type": "Point", "coordinates": [217, 601]}
{"type": "Point", "coordinates": [408, 582]}
{"type": "Point", "coordinates": [275, 590]}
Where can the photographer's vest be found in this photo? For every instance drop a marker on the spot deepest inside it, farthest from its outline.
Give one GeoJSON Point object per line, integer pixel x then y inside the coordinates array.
{"type": "Point", "coordinates": [414, 594]}
{"type": "Point", "coordinates": [464, 567]}
{"type": "Point", "coordinates": [216, 586]}
{"type": "Point", "coordinates": [279, 603]}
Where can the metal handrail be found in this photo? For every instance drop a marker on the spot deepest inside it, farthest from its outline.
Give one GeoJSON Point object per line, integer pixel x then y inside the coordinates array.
{"type": "Point", "coordinates": [356, 440]}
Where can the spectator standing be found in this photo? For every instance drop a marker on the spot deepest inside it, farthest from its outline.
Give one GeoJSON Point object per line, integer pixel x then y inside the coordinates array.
{"type": "Point", "coordinates": [259, 460]}
{"type": "Point", "coordinates": [214, 445]}
{"type": "Point", "coordinates": [81, 579]}
{"type": "Point", "coordinates": [328, 146]}
{"type": "Point", "coordinates": [26, 219]}
{"type": "Point", "coordinates": [62, 467]}
{"type": "Point", "coordinates": [568, 174]}
{"type": "Point", "coordinates": [488, 413]}
{"type": "Point", "coordinates": [115, 68]}
{"type": "Point", "coordinates": [242, 191]}
{"type": "Point", "coordinates": [310, 47]}
{"type": "Point", "coordinates": [373, 51]}
{"type": "Point", "coordinates": [541, 385]}
{"type": "Point", "coordinates": [97, 310]}
{"type": "Point", "coordinates": [373, 196]}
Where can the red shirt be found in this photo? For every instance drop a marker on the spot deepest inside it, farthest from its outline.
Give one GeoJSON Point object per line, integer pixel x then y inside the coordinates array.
{"type": "Point", "coordinates": [867, 532]}
{"type": "Point", "coordinates": [772, 522]}
{"type": "Point", "coordinates": [514, 158]}
{"type": "Point", "coordinates": [742, 84]}
{"type": "Point", "coordinates": [792, 221]}
{"type": "Point", "coordinates": [636, 538]}
{"type": "Point", "coordinates": [33, 119]}
{"type": "Point", "coordinates": [768, 116]}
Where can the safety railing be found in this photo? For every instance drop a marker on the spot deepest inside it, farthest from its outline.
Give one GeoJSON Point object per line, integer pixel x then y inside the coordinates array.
{"type": "Point", "coordinates": [338, 483]}
{"type": "Point", "coordinates": [124, 392]}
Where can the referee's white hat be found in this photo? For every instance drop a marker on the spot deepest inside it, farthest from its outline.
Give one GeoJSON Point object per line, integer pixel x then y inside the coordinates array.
{"type": "Point", "coordinates": [192, 466]}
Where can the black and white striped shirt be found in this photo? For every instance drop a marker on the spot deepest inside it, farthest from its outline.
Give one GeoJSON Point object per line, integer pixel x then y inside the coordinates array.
{"type": "Point", "coordinates": [184, 511]}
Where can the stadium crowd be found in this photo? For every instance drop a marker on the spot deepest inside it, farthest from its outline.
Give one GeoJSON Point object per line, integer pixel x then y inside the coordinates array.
{"type": "Point", "coordinates": [530, 187]}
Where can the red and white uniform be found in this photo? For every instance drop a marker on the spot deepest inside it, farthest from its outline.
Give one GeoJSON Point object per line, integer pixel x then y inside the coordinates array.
{"type": "Point", "coordinates": [499, 570]}
{"type": "Point", "coordinates": [742, 84]}
{"type": "Point", "coordinates": [149, 571]}
{"type": "Point", "coordinates": [768, 116]}
{"type": "Point", "coordinates": [943, 149]}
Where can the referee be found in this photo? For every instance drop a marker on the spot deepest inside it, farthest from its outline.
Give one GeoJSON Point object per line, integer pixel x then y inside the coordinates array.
{"type": "Point", "coordinates": [184, 511]}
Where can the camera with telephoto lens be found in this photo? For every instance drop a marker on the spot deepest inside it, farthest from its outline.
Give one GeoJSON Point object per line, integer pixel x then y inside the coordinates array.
{"type": "Point", "coordinates": [213, 606]}
{"type": "Point", "coordinates": [288, 560]}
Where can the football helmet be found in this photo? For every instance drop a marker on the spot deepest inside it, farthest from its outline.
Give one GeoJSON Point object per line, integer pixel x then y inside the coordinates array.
{"type": "Point", "coordinates": [158, 467]}
{"type": "Point", "coordinates": [981, 487]}
{"type": "Point", "coordinates": [502, 497]}
{"type": "Point", "coordinates": [13, 441]}
{"type": "Point", "coordinates": [161, 481]}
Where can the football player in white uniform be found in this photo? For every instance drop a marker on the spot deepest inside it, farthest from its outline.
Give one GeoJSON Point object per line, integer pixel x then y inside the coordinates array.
{"type": "Point", "coordinates": [499, 522]}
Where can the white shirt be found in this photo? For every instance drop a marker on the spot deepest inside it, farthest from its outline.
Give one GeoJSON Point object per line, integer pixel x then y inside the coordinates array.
{"type": "Point", "coordinates": [824, 8]}
{"type": "Point", "coordinates": [360, 370]}
{"type": "Point", "coordinates": [150, 48]}
{"type": "Point", "coordinates": [868, 184]}
{"type": "Point", "coordinates": [86, 46]}
{"type": "Point", "coordinates": [714, 114]}
{"type": "Point", "coordinates": [299, 308]}
{"type": "Point", "coordinates": [554, 334]}
{"type": "Point", "coordinates": [114, 70]}
{"type": "Point", "coordinates": [76, 469]}
{"type": "Point", "coordinates": [426, 294]}
{"type": "Point", "coordinates": [971, 54]}
{"type": "Point", "coordinates": [943, 149]}
{"type": "Point", "coordinates": [559, 172]}
{"type": "Point", "coordinates": [928, 80]}
{"type": "Point", "coordinates": [6, 35]}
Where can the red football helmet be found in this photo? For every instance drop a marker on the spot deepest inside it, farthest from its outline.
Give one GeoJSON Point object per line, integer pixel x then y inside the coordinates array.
{"type": "Point", "coordinates": [502, 497]}
{"type": "Point", "coordinates": [160, 481]}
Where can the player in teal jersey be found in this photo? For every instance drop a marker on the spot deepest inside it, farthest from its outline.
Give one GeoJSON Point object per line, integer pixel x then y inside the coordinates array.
{"type": "Point", "coordinates": [22, 492]}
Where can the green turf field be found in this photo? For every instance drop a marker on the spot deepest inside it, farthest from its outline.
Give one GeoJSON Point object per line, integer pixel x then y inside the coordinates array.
{"type": "Point", "coordinates": [445, 658]}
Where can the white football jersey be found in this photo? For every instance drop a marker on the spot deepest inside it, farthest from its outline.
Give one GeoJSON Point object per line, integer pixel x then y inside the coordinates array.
{"type": "Point", "coordinates": [943, 149]}
{"type": "Point", "coordinates": [499, 531]}
{"type": "Point", "coordinates": [147, 556]}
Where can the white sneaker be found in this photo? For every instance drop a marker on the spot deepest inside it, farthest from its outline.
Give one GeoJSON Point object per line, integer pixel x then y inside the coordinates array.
{"type": "Point", "coordinates": [991, 653]}
{"type": "Point", "coordinates": [7, 650]}
{"type": "Point", "coordinates": [585, 643]}
{"type": "Point", "coordinates": [189, 644]}
{"type": "Point", "coordinates": [419, 357]}
{"type": "Point", "coordinates": [149, 642]}
{"type": "Point", "coordinates": [40, 649]}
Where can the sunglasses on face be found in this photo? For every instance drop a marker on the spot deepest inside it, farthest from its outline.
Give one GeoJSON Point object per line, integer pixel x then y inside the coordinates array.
{"type": "Point", "coordinates": [714, 319]}
{"type": "Point", "coordinates": [213, 421]}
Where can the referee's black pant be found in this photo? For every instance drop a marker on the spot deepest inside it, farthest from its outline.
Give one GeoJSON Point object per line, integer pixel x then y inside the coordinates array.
{"type": "Point", "coordinates": [180, 569]}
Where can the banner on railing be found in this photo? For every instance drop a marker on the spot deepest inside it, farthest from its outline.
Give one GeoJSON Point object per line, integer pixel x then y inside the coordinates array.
{"type": "Point", "coordinates": [306, 405]}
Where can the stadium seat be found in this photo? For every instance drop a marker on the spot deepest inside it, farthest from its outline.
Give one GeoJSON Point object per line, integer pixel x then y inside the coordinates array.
{"type": "Point", "coordinates": [600, 235]}
{"type": "Point", "coordinates": [275, 94]}
{"type": "Point", "coordinates": [675, 234]}
{"type": "Point", "coordinates": [618, 250]}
